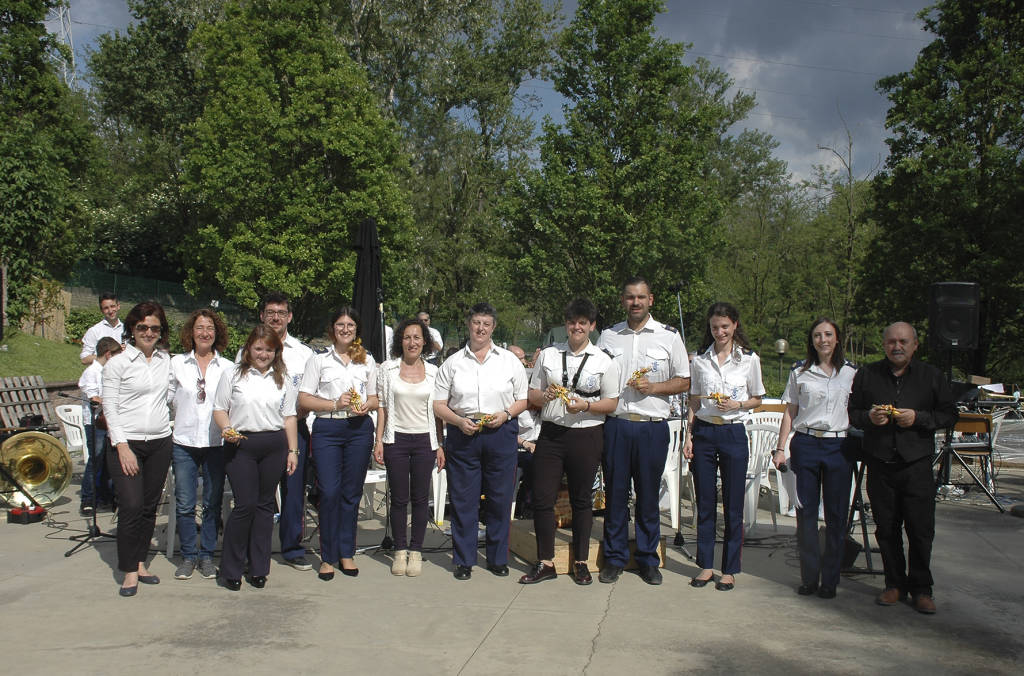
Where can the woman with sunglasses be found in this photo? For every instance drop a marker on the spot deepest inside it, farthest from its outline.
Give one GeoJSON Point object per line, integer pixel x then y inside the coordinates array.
{"type": "Point", "coordinates": [139, 428]}
{"type": "Point", "coordinates": [198, 446]}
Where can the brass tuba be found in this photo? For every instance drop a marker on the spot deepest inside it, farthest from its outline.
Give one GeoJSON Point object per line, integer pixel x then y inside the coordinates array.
{"type": "Point", "coordinates": [37, 461]}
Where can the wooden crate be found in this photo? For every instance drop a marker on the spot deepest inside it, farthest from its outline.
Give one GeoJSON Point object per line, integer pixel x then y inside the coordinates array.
{"type": "Point", "coordinates": [523, 543]}
{"type": "Point", "coordinates": [21, 396]}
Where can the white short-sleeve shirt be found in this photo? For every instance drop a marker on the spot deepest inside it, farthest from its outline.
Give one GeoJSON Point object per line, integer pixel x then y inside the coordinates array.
{"type": "Point", "coordinates": [193, 419]}
{"type": "Point", "coordinates": [473, 387]}
{"type": "Point", "coordinates": [328, 378]}
{"type": "Point", "coordinates": [599, 379]}
{"type": "Point", "coordinates": [821, 399]}
{"type": "Point", "coordinates": [253, 400]}
{"type": "Point", "coordinates": [739, 378]}
{"type": "Point", "coordinates": [655, 346]}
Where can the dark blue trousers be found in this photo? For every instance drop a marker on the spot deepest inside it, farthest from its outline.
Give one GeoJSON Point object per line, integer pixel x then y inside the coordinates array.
{"type": "Point", "coordinates": [721, 447]}
{"type": "Point", "coordinates": [482, 463]}
{"type": "Point", "coordinates": [633, 452]}
{"type": "Point", "coordinates": [822, 470]}
{"type": "Point", "coordinates": [293, 499]}
{"type": "Point", "coordinates": [253, 466]}
{"type": "Point", "coordinates": [341, 450]}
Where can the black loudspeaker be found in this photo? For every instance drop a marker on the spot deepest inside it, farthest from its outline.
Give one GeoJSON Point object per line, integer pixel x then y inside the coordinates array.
{"type": "Point", "coordinates": [953, 310]}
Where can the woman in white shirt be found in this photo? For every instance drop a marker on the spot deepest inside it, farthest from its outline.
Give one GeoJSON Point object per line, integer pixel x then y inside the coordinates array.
{"type": "Point", "coordinates": [139, 428]}
{"type": "Point", "coordinates": [254, 407]}
{"type": "Point", "coordinates": [816, 397]}
{"type": "Point", "coordinates": [725, 384]}
{"type": "Point", "coordinates": [408, 439]}
{"type": "Point", "coordinates": [198, 446]}
{"type": "Point", "coordinates": [339, 386]}
{"type": "Point", "coordinates": [577, 385]}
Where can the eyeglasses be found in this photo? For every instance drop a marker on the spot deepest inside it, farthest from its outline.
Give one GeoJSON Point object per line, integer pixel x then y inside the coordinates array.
{"type": "Point", "coordinates": [201, 394]}
{"type": "Point", "coordinates": [276, 313]}
{"type": "Point", "coordinates": [143, 328]}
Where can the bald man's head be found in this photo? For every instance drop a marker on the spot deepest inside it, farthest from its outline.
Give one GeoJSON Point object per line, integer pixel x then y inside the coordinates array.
{"type": "Point", "coordinates": [900, 342]}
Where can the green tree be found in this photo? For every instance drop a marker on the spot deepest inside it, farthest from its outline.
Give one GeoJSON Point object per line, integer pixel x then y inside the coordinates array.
{"type": "Point", "coordinates": [47, 155]}
{"type": "Point", "coordinates": [949, 199]}
{"type": "Point", "coordinates": [289, 155]}
{"type": "Point", "coordinates": [627, 184]}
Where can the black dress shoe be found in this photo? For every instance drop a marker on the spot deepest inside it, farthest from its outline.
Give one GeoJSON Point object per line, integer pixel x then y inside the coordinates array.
{"type": "Point", "coordinates": [500, 571]}
{"type": "Point", "coordinates": [698, 582]}
{"type": "Point", "coordinates": [724, 586]}
{"type": "Point", "coordinates": [149, 579]}
{"type": "Point", "coordinates": [326, 577]}
{"type": "Point", "coordinates": [463, 572]}
{"type": "Point", "coordinates": [350, 572]}
{"type": "Point", "coordinates": [650, 574]}
{"type": "Point", "coordinates": [129, 591]}
{"type": "Point", "coordinates": [808, 588]}
{"type": "Point", "coordinates": [827, 593]}
{"type": "Point", "coordinates": [539, 573]}
{"type": "Point", "coordinates": [258, 581]}
{"type": "Point", "coordinates": [232, 585]}
{"type": "Point", "coordinates": [581, 574]}
{"type": "Point", "coordinates": [609, 573]}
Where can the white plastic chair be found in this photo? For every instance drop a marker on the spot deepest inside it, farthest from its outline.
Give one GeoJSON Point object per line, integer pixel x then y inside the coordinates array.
{"type": "Point", "coordinates": [673, 472]}
{"type": "Point", "coordinates": [439, 489]}
{"type": "Point", "coordinates": [70, 416]}
{"type": "Point", "coordinates": [374, 477]}
{"type": "Point", "coordinates": [773, 419]}
{"type": "Point", "coordinates": [761, 440]}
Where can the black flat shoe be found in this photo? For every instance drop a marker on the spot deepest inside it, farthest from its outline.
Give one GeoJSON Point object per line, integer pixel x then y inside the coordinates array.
{"type": "Point", "coordinates": [581, 574]}
{"type": "Point", "coordinates": [463, 572]}
{"type": "Point", "coordinates": [350, 572]}
{"type": "Point", "coordinates": [827, 593]}
{"type": "Point", "coordinates": [500, 571]}
{"type": "Point", "coordinates": [539, 573]}
{"type": "Point", "coordinates": [232, 585]}
{"type": "Point", "coordinates": [258, 581]}
{"type": "Point", "coordinates": [807, 588]}
{"type": "Point", "coordinates": [149, 579]}
{"type": "Point", "coordinates": [129, 591]}
{"type": "Point", "coordinates": [326, 577]}
{"type": "Point", "coordinates": [724, 586]}
{"type": "Point", "coordinates": [698, 582]}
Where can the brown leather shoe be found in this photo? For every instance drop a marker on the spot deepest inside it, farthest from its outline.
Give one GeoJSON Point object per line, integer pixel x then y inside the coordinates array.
{"type": "Point", "coordinates": [890, 597]}
{"type": "Point", "coordinates": [923, 603]}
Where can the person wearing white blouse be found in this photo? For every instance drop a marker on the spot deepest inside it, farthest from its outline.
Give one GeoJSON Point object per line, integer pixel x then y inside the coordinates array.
{"type": "Point", "coordinates": [408, 439]}
{"type": "Point", "coordinates": [340, 387]}
{"type": "Point", "coordinates": [254, 407]}
{"type": "Point", "coordinates": [139, 427]}
{"type": "Point", "coordinates": [816, 398]}
{"type": "Point", "coordinates": [198, 446]}
{"type": "Point", "coordinates": [726, 384]}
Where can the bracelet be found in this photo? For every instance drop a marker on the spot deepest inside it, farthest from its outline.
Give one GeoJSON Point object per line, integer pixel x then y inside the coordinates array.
{"type": "Point", "coordinates": [293, 450]}
{"type": "Point", "coordinates": [588, 406]}
{"type": "Point", "coordinates": [509, 415]}
{"type": "Point", "coordinates": [334, 403]}
{"type": "Point", "coordinates": [779, 450]}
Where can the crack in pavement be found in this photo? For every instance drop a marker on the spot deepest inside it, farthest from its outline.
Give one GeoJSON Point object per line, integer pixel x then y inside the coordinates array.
{"type": "Point", "coordinates": [484, 639]}
{"type": "Point", "coordinates": [600, 626]}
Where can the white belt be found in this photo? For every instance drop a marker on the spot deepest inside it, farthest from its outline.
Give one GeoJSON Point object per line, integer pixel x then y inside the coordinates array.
{"type": "Point", "coordinates": [636, 417]}
{"type": "Point", "coordinates": [333, 414]}
{"type": "Point", "coordinates": [822, 434]}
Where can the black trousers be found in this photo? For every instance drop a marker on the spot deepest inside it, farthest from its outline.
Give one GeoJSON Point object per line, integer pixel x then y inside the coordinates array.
{"type": "Point", "coordinates": [138, 498]}
{"type": "Point", "coordinates": [254, 467]}
{"type": "Point", "coordinates": [576, 452]}
{"type": "Point", "coordinates": [902, 495]}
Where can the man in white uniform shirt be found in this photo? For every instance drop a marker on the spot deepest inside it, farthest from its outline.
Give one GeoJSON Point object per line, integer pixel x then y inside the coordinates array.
{"type": "Point", "coordinates": [109, 327]}
{"type": "Point", "coordinates": [276, 314]}
{"type": "Point", "coordinates": [652, 366]}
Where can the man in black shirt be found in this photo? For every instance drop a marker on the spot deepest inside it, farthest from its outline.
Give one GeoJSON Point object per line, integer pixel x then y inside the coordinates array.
{"type": "Point", "coordinates": [899, 403]}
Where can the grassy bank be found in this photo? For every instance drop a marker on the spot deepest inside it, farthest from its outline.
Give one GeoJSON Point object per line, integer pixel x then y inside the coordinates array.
{"type": "Point", "coordinates": [25, 355]}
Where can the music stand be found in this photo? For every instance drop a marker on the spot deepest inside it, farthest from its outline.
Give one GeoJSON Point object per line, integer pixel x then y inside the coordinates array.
{"type": "Point", "coordinates": [93, 530]}
{"type": "Point", "coordinates": [859, 505]}
{"type": "Point", "coordinates": [969, 423]}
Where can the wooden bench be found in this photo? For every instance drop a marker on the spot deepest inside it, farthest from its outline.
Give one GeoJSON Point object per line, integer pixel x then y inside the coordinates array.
{"type": "Point", "coordinates": [24, 397]}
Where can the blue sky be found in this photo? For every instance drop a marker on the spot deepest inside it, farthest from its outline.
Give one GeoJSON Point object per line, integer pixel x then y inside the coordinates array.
{"type": "Point", "coordinates": [811, 64]}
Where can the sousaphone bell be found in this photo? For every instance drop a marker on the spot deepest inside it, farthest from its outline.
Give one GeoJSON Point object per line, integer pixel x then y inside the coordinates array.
{"type": "Point", "coordinates": [36, 467]}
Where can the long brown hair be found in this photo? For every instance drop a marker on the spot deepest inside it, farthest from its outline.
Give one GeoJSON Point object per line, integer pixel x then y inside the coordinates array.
{"type": "Point", "coordinates": [728, 311]}
{"type": "Point", "coordinates": [356, 351]}
{"type": "Point", "coordinates": [271, 340]}
{"type": "Point", "coordinates": [838, 355]}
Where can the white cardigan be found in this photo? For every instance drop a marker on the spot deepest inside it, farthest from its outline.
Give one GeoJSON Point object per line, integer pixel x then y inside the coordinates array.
{"type": "Point", "coordinates": [386, 374]}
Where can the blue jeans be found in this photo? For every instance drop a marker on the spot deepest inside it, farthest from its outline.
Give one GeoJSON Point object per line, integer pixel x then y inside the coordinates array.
{"type": "Point", "coordinates": [95, 480]}
{"type": "Point", "coordinates": [187, 462]}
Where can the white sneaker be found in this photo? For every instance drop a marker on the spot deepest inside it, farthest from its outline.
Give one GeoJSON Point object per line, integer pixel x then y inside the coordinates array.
{"type": "Point", "coordinates": [415, 564]}
{"type": "Point", "coordinates": [401, 560]}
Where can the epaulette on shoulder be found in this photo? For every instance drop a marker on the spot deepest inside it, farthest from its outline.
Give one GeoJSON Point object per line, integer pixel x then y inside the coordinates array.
{"type": "Point", "coordinates": [797, 364]}
{"type": "Point", "coordinates": [607, 352]}
{"type": "Point", "coordinates": [850, 364]}
{"type": "Point", "coordinates": [747, 351]}
{"type": "Point", "coordinates": [319, 350]}
{"type": "Point", "coordinates": [670, 328]}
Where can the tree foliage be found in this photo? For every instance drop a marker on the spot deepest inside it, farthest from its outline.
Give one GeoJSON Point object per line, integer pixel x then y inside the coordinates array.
{"type": "Point", "coordinates": [288, 156]}
{"type": "Point", "coordinates": [950, 197]}
{"type": "Point", "coordinates": [47, 156]}
{"type": "Point", "coordinates": [626, 185]}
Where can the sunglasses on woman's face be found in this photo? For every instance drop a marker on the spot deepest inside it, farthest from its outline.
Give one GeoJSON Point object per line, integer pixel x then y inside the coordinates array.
{"type": "Point", "coordinates": [143, 328]}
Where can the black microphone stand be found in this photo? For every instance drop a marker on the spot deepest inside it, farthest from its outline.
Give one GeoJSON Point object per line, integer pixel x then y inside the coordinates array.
{"type": "Point", "coordinates": [679, 540]}
{"type": "Point", "coordinates": [94, 530]}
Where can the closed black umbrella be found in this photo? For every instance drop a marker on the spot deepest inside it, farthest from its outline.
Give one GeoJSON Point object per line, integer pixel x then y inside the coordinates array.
{"type": "Point", "coordinates": [368, 295]}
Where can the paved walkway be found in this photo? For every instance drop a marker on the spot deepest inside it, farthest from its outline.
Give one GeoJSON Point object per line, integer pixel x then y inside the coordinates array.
{"type": "Point", "coordinates": [63, 615]}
